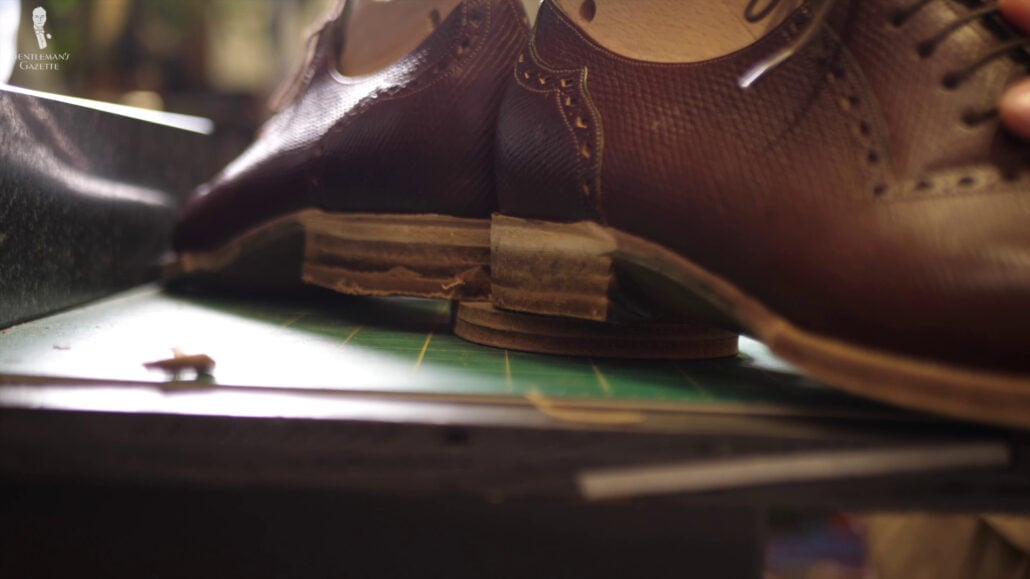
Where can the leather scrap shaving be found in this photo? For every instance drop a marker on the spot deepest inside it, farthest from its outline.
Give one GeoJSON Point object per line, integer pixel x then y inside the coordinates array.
{"type": "Point", "coordinates": [202, 364]}
{"type": "Point", "coordinates": [452, 284]}
{"type": "Point", "coordinates": [582, 416]}
{"type": "Point", "coordinates": [467, 276]}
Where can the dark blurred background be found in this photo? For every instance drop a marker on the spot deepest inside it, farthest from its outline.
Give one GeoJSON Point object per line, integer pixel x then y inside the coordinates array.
{"type": "Point", "coordinates": [219, 59]}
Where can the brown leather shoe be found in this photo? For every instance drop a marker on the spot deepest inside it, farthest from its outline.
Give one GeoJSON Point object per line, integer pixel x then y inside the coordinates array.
{"type": "Point", "coordinates": [839, 187]}
{"type": "Point", "coordinates": [375, 175]}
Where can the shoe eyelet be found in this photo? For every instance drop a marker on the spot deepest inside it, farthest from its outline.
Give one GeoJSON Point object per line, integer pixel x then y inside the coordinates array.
{"type": "Point", "coordinates": [580, 123]}
{"type": "Point", "coordinates": [588, 10]}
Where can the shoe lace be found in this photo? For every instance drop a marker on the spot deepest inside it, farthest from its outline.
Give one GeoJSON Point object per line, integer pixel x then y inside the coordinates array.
{"type": "Point", "coordinates": [818, 11]}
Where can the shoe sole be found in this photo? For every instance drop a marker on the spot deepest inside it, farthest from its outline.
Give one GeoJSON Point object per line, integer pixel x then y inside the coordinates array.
{"type": "Point", "coordinates": [581, 270]}
{"type": "Point", "coordinates": [429, 256]}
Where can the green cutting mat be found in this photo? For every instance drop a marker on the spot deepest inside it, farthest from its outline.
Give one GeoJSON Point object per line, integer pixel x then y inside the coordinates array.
{"type": "Point", "coordinates": [382, 345]}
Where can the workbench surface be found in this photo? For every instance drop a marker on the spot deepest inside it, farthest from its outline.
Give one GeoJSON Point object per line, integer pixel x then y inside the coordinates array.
{"type": "Point", "coordinates": [376, 394]}
{"type": "Point", "coordinates": [399, 346]}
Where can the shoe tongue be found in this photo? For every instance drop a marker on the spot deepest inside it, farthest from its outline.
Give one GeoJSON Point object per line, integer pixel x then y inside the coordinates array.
{"type": "Point", "coordinates": [673, 30]}
{"type": "Point", "coordinates": [378, 33]}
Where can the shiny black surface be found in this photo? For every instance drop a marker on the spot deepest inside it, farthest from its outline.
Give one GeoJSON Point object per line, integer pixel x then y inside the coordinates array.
{"type": "Point", "coordinates": [87, 201]}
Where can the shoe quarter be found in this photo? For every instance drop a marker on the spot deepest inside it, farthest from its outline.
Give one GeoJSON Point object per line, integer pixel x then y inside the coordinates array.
{"type": "Point", "coordinates": [550, 142]}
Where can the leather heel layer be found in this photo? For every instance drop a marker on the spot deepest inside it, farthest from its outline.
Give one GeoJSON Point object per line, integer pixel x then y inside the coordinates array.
{"type": "Point", "coordinates": [432, 256]}
{"type": "Point", "coordinates": [559, 269]}
{"type": "Point", "coordinates": [553, 290]}
{"type": "Point", "coordinates": [484, 324]}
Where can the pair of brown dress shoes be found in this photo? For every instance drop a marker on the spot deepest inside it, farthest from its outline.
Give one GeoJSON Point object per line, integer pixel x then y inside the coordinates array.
{"type": "Point", "coordinates": [828, 176]}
